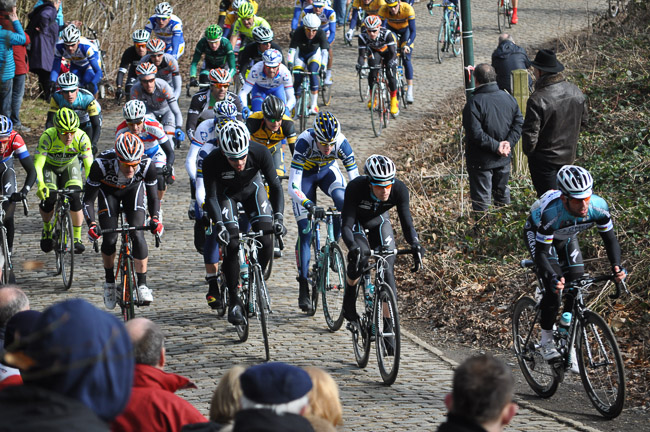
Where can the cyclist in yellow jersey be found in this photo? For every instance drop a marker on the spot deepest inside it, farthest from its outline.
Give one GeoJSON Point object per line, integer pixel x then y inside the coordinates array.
{"type": "Point", "coordinates": [369, 7]}
{"type": "Point", "coordinates": [244, 26]}
{"type": "Point", "coordinates": [57, 157]}
{"type": "Point", "coordinates": [399, 17]}
{"type": "Point", "coordinates": [230, 14]}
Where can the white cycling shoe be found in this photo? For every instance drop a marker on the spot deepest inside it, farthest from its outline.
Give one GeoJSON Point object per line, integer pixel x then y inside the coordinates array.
{"type": "Point", "coordinates": [549, 352]}
{"type": "Point", "coordinates": [109, 295]}
{"type": "Point", "coordinates": [145, 295]}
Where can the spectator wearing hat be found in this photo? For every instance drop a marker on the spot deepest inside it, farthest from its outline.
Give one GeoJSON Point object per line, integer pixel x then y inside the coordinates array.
{"type": "Point", "coordinates": [554, 114]}
{"type": "Point", "coordinates": [153, 405]}
{"type": "Point", "coordinates": [508, 57]}
{"type": "Point", "coordinates": [77, 370]}
{"type": "Point", "coordinates": [275, 398]}
{"type": "Point", "coordinates": [20, 325]}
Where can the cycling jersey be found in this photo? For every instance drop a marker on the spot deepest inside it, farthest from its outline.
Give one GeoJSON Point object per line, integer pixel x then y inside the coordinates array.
{"type": "Point", "coordinates": [85, 57]}
{"type": "Point", "coordinates": [53, 151]}
{"type": "Point", "coordinates": [306, 47]}
{"type": "Point", "coordinates": [386, 41]}
{"type": "Point", "coordinates": [161, 102]}
{"type": "Point", "coordinates": [257, 78]}
{"type": "Point", "coordinates": [201, 108]}
{"type": "Point", "coordinates": [15, 147]}
{"type": "Point", "coordinates": [327, 18]}
{"type": "Point", "coordinates": [230, 14]}
{"type": "Point", "coordinates": [251, 55]}
{"type": "Point", "coordinates": [402, 23]}
{"type": "Point", "coordinates": [156, 142]}
{"type": "Point", "coordinates": [206, 132]}
{"type": "Point", "coordinates": [85, 105]}
{"type": "Point", "coordinates": [168, 71]}
{"type": "Point", "coordinates": [384, 47]}
{"type": "Point", "coordinates": [260, 134]}
{"type": "Point", "coordinates": [130, 60]}
{"type": "Point", "coordinates": [247, 33]}
{"type": "Point", "coordinates": [171, 34]}
{"type": "Point", "coordinates": [370, 9]}
{"type": "Point", "coordinates": [223, 57]}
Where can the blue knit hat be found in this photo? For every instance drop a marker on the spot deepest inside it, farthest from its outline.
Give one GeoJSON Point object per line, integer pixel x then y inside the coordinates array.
{"type": "Point", "coordinates": [275, 383]}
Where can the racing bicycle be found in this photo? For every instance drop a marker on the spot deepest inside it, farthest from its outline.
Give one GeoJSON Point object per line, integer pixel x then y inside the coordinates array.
{"type": "Point", "coordinates": [63, 235]}
{"type": "Point", "coordinates": [6, 266]}
{"type": "Point", "coordinates": [380, 101]}
{"type": "Point", "coordinates": [449, 32]}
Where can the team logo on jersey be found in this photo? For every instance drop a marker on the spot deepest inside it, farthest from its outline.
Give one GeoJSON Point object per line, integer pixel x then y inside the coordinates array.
{"type": "Point", "coordinates": [228, 175]}
{"type": "Point", "coordinates": [204, 136]}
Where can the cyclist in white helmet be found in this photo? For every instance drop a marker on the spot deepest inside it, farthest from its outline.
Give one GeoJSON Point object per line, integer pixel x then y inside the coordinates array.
{"type": "Point", "coordinates": [164, 25]}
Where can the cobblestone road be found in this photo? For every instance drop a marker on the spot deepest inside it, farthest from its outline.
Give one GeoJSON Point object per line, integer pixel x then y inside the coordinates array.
{"type": "Point", "coordinates": [201, 345]}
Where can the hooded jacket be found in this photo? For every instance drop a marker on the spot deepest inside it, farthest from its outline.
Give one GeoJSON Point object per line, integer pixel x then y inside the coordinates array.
{"type": "Point", "coordinates": [506, 58]}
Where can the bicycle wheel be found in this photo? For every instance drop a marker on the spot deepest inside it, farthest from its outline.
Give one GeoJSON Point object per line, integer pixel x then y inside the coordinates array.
{"type": "Point", "coordinates": [401, 91]}
{"type": "Point", "coordinates": [65, 247]}
{"type": "Point", "coordinates": [361, 331]}
{"type": "Point", "coordinates": [6, 268]}
{"type": "Point", "coordinates": [364, 88]}
{"type": "Point", "coordinates": [315, 274]}
{"type": "Point", "coordinates": [502, 17]}
{"type": "Point", "coordinates": [440, 44]}
{"type": "Point", "coordinates": [245, 297]}
{"type": "Point", "coordinates": [601, 366]}
{"type": "Point", "coordinates": [388, 341]}
{"type": "Point", "coordinates": [334, 288]}
{"type": "Point", "coordinates": [385, 104]}
{"type": "Point", "coordinates": [454, 36]}
{"type": "Point", "coordinates": [346, 22]}
{"type": "Point", "coordinates": [261, 307]}
{"type": "Point", "coordinates": [326, 94]}
{"type": "Point", "coordinates": [376, 114]}
{"type": "Point", "coordinates": [269, 265]}
{"type": "Point", "coordinates": [526, 334]}
{"type": "Point", "coordinates": [304, 109]}
{"type": "Point", "coordinates": [129, 293]}
{"type": "Point", "coordinates": [223, 289]}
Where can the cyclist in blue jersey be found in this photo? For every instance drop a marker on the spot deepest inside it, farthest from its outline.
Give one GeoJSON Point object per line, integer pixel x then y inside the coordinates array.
{"type": "Point", "coordinates": [83, 56]}
{"type": "Point", "coordinates": [267, 77]}
{"type": "Point", "coordinates": [327, 18]}
{"type": "Point", "coordinates": [550, 233]}
{"type": "Point", "coordinates": [166, 26]}
{"type": "Point", "coordinates": [314, 166]}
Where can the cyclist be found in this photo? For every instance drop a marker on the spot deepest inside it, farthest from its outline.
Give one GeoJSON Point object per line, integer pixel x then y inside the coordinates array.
{"type": "Point", "coordinates": [122, 175]}
{"type": "Point", "coordinates": [314, 166]}
{"type": "Point", "coordinates": [56, 160]}
{"type": "Point", "coordinates": [229, 15]}
{"type": "Point", "coordinates": [252, 53]}
{"type": "Point", "coordinates": [399, 17]}
{"type": "Point", "coordinates": [308, 50]}
{"type": "Point", "coordinates": [130, 60]}
{"type": "Point", "coordinates": [159, 99]}
{"type": "Point", "coordinates": [157, 146]}
{"type": "Point", "coordinates": [273, 128]}
{"type": "Point", "coordinates": [82, 102]}
{"type": "Point", "coordinates": [327, 18]}
{"type": "Point", "coordinates": [218, 54]}
{"type": "Point", "coordinates": [166, 65]}
{"type": "Point", "coordinates": [369, 7]}
{"type": "Point", "coordinates": [515, 18]}
{"type": "Point", "coordinates": [83, 56]}
{"type": "Point", "coordinates": [243, 27]}
{"type": "Point", "coordinates": [164, 25]}
{"type": "Point", "coordinates": [267, 77]}
{"type": "Point", "coordinates": [12, 144]}
{"type": "Point", "coordinates": [551, 235]}
{"type": "Point", "coordinates": [297, 15]}
{"type": "Point", "coordinates": [367, 201]}
{"type": "Point", "coordinates": [379, 45]}
{"type": "Point", "coordinates": [232, 175]}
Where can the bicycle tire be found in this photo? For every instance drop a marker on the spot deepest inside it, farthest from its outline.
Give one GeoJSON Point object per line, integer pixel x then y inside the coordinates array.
{"type": "Point", "coordinates": [361, 336]}
{"type": "Point", "coordinates": [326, 94]}
{"type": "Point", "coordinates": [376, 110]}
{"type": "Point", "coordinates": [456, 46]}
{"type": "Point", "coordinates": [66, 249]}
{"type": "Point", "coordinates": [269, 265]}
{"type": "Point", "coordinates": [402, 91]}
{"type": "Point", "coordinates": [364, 88]}
{"type": "Point", "coordinates": [440, 44]}
{"type": "Point", "coordinates": [6, 267]}
{"type": "Point", "coordinates": [385, 103]}
{"type": "Point", "coordinates": [261, 308]}
{"type": "Point", "coordinates": [316, 274]}
{"type": "Point", "coordinates": [536, 370]}
{"type": "Point", "coordinates": [128, 289]}
{"type": "Point", "coordinates": [601, 366]}
{"type": "Point", "coordinates": [502, 16]}
{"type": "Point", "coordinates": [346, 23]}
{"type": "Point", "coordinates": [388, 368]}
{"type": "Point", "coordinates": [304, 109]}
{"type": "Point", "coordinates": [334, 288]}
{"type": "Point", "coordinates": [244, 297]}
{"type": "Point", "coordinates": [223, 289]}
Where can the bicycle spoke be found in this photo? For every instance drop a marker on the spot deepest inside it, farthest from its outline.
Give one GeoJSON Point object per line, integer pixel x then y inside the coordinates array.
{"type": "Point", "coordinates": [388, 340]}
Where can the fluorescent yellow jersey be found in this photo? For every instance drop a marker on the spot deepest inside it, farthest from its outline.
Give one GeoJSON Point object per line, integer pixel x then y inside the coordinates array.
{"type": "Point", "coordinates": [53, 151]}
{"type": "Point", "coordinates": [231, 14]}
{"type": "Point", "coordinates": [401, 19]}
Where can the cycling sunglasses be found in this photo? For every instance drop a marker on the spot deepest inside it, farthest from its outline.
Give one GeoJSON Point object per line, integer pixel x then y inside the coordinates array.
{"type": "Point", "coordinates": [586, 200]}
{"type": "Point", "coordinates": [140, 45]}
{"type": "Point", "coordinates": [66, 132]}
{"type": "Point", "coordinates": [147, 80]}
{"type": "Point", "coordinates": [327, 144]}
{"type": "Point", "coordinates": [135, 122]}
{"type": "Point", "coordinates": [383, 184]}
{"type": "Point", "coordinates": [221, 85]}
{"type": "Point", "coordinates": [234, 159]}
{"type": "Point", "coordinates": [372, 31]}
{"type": "Point", "coordinates": [273, 120]}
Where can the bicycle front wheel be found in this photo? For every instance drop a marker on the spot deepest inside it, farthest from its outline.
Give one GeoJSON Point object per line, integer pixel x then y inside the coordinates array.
{"type": "Point", "coordinates": [316, 275]}
{"type": "Point", "coordinates": [601, 366]}
{"type": "Point", "coordinates": [261, 308]}
{"type": "Point", "coordinates": [128, 288]}
{"type": "Point", "coordinates": [454, 36]}
{"type": "Point", "coordinates": [65, 247]}
{"type": "Point", "coordinates": [440, 44]}
{"type": "Point", "coordinates": [376, 115]}
{"type": "Point", "coordinates": [245, 297]}
{"type": "Point", "coordinates": [269, 265]}
{"type": "Point", "coordinates": [364, 88]}
{"type": "Point", "coordinates": [361, 330]}
{"type": "Point", "coordinates": [388, 341]}
{"type": "Point", "coordinates": [334, 288]}
{"type": "Point", "coordinates": [526, 333]}
{"type": "Point", "coordinates": [326, 93]}
{"type": "Point", "coordinates": [304, 108]}
{"type": "Point", "coordinates": [502, 16]}
{"type": "Point", "coordinates": [6, 268]}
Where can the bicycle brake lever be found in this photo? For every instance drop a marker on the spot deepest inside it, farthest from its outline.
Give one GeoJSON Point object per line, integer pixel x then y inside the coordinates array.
{"type": "Point", "coordinates": [25, 207]}
{"type": "Point", "coordinates": [281, 242]}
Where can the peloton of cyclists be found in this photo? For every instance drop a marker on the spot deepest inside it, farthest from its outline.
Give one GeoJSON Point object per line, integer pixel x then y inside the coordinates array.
{"type": "Point", "coordinates": [166, 65]}
{"type": "Point", "coordinates": [252, 53]}
{"type": "Point", "coordinates": [327, 18]}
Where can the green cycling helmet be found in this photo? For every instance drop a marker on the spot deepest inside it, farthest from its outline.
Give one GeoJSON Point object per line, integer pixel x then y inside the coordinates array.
{"type": "Point", "coordinates": [213, 32]}
{"type": "Point", "coordinates": [66, 120]}
{"type": "Point", "coordinates": [245, 10]}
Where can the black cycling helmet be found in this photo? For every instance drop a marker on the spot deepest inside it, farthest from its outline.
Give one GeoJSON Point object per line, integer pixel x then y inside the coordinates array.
{"type": "Point", "coordinates": [273, 107]}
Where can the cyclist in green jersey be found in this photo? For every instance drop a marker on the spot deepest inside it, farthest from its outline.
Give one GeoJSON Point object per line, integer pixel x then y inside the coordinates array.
{"type": "Point", "coordinates": [244, 26]}
{"type": "Point", "coordinates": [218, 54]}
{"type": "Point", "coordinates": [57, 163]}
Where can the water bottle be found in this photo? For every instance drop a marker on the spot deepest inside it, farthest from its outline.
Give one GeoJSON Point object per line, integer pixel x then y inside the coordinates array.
{"type": "Point", "coordinates": [563, 331]}
{"type": "Point", "coordinates": [400, 70]}
{"type": "Point", "coordinates": [369, 291]}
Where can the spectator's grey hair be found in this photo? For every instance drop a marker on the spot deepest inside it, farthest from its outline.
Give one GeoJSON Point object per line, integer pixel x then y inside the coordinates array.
{"type": "Point", "coordinates": [147, 349]}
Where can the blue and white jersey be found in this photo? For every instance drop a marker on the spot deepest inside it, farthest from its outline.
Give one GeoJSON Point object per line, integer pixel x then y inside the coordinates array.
{"type": "Point", "coordinates": [86, 52]}
{"type": "Point", "coordinates": [553, 221]}
{"type": "Point", "coordinates": [256, 76]}
{"type": "Point", "coordinates": [298, 7]}
{"type": "Point", "coordinates": [327, 18]}
{"type": "Point", "coordinates": [171, 34]}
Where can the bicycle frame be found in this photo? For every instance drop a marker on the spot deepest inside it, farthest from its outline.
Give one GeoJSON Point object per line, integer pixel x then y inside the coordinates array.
{"type": "Point", "coordinates": [303, 103]}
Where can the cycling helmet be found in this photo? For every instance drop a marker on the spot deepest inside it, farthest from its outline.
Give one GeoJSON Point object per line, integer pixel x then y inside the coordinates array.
{"type": "Point", "coordinates": [246, 10]}
{"type": "Point", "coordinates": [70, 35]}
{"type": "Point", "coordinates": [236, 3]}
{"type": "Point", "coordinates": [225, 109]}
{"type": "Point", "coordinates": [273, 107]}
{"type": "Point", "coordinates": [574, 181]}
{"type": "Point", "coordinates": [213, 32]}
{"type": "Point", "coordinates": [326, 127]}
{"type": "Point", "coordinates": [234, 137]}
{"type": "Point", "coordinates": [68, 81]}
{"type": "Point", "coordinates": [129, 148]}
{"type": "Point", "coordinates": [163, 10]}
{"type": "Point", "coordinates": [391, 3]}
{"type": "Point", "coordinates": [318, 3]}
{"type": "Point", "coordinates": [155, 46]}
{"type": "Point", "coordinates": [272, 58]}
{"type": "Point", "coordinates": [66, 120]}
{"type": "Point", "coordinates": [380, 169]}
{"type": "Point", "coordinates": [219, 76]}
{"type": "Point", "coordinates": [262, 34]}
{"type": "Point", "coordinates": [311, 21]}
{"type": "Point", "coordinates": [134, 110]}
{"type": "Point", "coordinates": [140, 36]}
{"type": "Point", "coordinates": [372, 22]}
{"type": "Point", "coordinates": [146, 68]}
{"type": "Point", "coordinates": [6, 126]}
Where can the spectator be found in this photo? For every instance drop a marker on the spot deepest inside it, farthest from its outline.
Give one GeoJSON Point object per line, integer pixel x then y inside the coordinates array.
{"type": "Point", "coordinates": [319, 424]}
{"type": "Point", "coordinates": [506, 58]}
{"type": "Point", "coordinates": [324, 398]}
{"type": "Point", "coordinates": [43, 30]}
{"type": "Point", "coordinates": [18, 86]}
{"type": "Point", "coordinates": [481, 397]}
{"type": "Point", "coordinates": [153, 405]}
{"type": "Point", "coordinates": [8, 38]}
{"type": "Point", "coordinates": [12, 301]}
{"type": "Point", "coordinates": [59, 12]}
{"type": "Point", "coordinates": [20, 325]}
{"type": "Point", "coordinates": [274, 399]}
{"type": "Point", "coordinates": [554, 114]}
{"type": "Point", "coordinates": [492, 121]}
{"type": "Point", "coordinates": [77, 371]}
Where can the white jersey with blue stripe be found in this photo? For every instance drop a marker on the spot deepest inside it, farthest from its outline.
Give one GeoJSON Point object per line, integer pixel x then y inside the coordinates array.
{"type": "Point", "coordinates": [85, 50]}
{"type": "Point", "coordinates": [173, 28]}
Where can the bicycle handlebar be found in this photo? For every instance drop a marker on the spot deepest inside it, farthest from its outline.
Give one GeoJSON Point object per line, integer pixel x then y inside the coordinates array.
{"type": "Point", "coordinates": [66, 191]}
{"type": "Point", "coordinates": [5, 198]}
{"type": "Point", "coordinates": [127, 228]}
{"type": "Point", "coordinates": [387, 253]}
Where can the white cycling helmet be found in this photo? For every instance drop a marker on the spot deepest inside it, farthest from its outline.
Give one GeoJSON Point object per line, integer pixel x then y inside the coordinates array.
{"type": "Point", "coordinates": [234, 138]}
{"type": "Point", "coordinates": [140, 36]}
{"type": "Point", "coordinates": [272, 58]}
{"type": "Point", "coordinates": [163, 10]}
{"type": "Point", "coordinates": [380, 169]}
{"type": "Point", "coordinates": [134, 110]}
{"type": "Point", "coordinates": [236, 3]}
{"type": "Point", "coordinates": [262, 34]}
{"type": "Point", "coordinates": [575, 182]}
{"type": "Point", "coordinates": [311, 21]}
{"type": "Point", "coordinates": [225, 110]}
{"type": "Point", "coordinates": [319, 3]}
{"type": "Point", "coordinates": [70, 35]}
{"type": "Point", "coordinates": [6, 126]}
{"type": "Point", "coordinates": [68, 81]}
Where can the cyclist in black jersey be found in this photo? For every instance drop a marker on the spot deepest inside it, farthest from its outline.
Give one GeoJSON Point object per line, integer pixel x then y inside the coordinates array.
{"type": "Point", "coordinates": [365, 207]}
{"type": "Point", "coordinates": [231, 176]}
{"type": "Point", "coordinates": [252, 53]}
{"type": "Point", "coordinates": [130, 60]}
{"type": "Point", "coordinates": [122, 175]}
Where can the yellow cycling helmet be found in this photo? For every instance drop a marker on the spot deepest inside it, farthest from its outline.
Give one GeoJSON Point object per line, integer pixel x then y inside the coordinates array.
{"type": "Point", "coordinates": [245, 10]}
{"type": "Point", "coordinates": [66, 120]}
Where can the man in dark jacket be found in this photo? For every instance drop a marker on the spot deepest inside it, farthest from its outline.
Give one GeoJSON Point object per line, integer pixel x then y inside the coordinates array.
{"type": "Point", "coordinates": [506, 58]}
{"type": "Point", "coordinates": [554, 114]}
{"type": "Point", "coordinates": [43, 30]}
{"type": "Point", "coordinates": [492, 122]}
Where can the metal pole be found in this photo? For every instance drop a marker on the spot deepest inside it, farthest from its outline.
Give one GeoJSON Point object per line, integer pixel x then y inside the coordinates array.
{"type": "Point", "coordinates": [468, 45]}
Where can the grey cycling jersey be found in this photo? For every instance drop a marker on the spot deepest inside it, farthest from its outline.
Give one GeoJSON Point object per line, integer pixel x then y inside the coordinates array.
{"type": "Point", "coordinates": [168, 71]}
{"type": "Point", "coordinates": [160, 102]}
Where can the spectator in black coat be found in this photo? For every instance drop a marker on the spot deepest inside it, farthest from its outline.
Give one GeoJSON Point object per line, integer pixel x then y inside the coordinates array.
{"type": "Point", "coordinates": [43, 30]}
{"type": "Point", "coordinates": [506, 58]}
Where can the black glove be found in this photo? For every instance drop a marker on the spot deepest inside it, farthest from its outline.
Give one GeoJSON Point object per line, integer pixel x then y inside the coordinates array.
{"type": "Point", "coordinates": [418, 252]}
{"type": "Point", "coordinates": [223, 236]}
{"type": "Point", "coordinates": [319, 213]}
{"type": "Point", "coordinates": [119, 93]}
{"type": "Point", "coordinates": [194, 82]}
{"type": "Point", "coordinates": [354, 256]}
{"type": "Point", "coordinates": [278, 226]}
{"type": "Point", "coordinates": [18, 196]}
{"type": "Point", "coordinates": [430, 5]}
{"type": "Point", "coordinates": [205, 219]}
{"type": "Point", "coordinates": [358, 67]}
{"type": "Point", "coordinates": [168, 173]}
{"type": "Point", "coordinates": [310, 207]}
